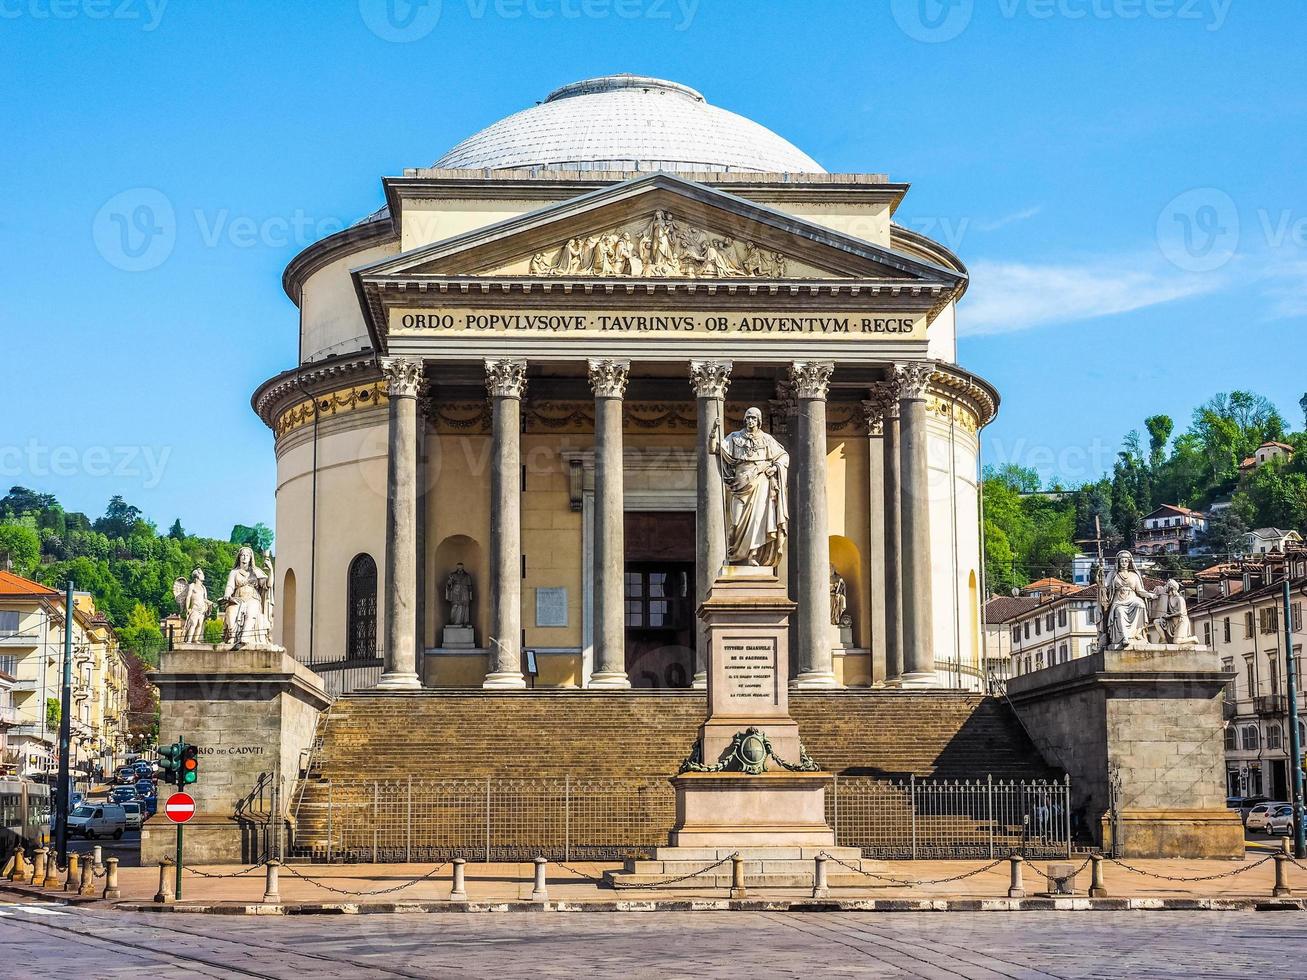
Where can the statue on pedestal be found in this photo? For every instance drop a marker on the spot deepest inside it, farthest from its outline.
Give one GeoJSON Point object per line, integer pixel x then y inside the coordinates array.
{"type": "Point", "coordinates": [1123, 603]}
{"type": "Point", "coordinates": [754, 468]}
{"type": "Point", "coordinates": [839, 600]}
{"type": "Point", "coordinates": [458, 593]}
{"type": "Point", "coordinates": [1172, 615]}
{"type": "Point", "coordinates": [247, 601]}
{"type": "Point", "coordinates": [193, 604]}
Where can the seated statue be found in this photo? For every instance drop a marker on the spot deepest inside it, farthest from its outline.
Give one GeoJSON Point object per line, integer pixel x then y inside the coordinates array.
{"type": "Point", "coordinates": [1172, 615]}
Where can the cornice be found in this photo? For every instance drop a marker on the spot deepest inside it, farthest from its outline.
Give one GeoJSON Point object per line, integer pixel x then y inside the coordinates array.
{"type": "Point", "coordinates": [272, 397]}
{"type": "Point", "coordinates": [322, 253]}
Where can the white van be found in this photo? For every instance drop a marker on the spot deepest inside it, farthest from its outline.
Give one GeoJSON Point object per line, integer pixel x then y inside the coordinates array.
{"type": "Point", "coordinates": [135, 815]}
{"type": "Point", "coordinates": [92, 820]}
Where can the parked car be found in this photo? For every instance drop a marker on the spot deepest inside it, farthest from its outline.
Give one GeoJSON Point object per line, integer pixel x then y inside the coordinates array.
{"type": "Point", "coordinates": [135, 814]}
{"type": "Point", "coordinates": [1259, 816]}
{"type": "Point", "coordinates": [1244, 804]}
{"type": "Point", "coordinates": [1280, 820]}
{"type": "Point", "coordinates": [123, 794]}
{"type": "Point", "coordinates": [98, 820]}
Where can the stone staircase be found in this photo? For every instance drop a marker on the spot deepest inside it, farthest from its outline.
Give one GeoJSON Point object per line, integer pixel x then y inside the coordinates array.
{"type": "Point", "coordinates": [480, 736]}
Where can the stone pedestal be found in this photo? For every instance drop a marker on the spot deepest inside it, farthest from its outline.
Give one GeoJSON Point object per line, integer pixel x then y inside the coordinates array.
{"type": "Point", "coordinates": [1150, 718]}
{"type": "Point", "coordinates": [251, 712]}
{"type": "Point", "coordinates": [458, 638]}
{"type": "Point", "coordinates": [732, 809]}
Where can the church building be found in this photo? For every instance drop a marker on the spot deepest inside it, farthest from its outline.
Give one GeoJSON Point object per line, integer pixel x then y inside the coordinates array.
{"type": "Point", "coordinates": [498, 458]}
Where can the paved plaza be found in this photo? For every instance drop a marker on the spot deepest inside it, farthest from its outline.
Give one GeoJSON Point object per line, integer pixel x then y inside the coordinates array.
{"type": "Point", "coordinates": [69, 942]}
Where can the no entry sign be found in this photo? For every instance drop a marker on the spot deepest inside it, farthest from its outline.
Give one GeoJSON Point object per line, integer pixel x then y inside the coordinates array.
{"type": "Point", "coordinates": [179, 808]}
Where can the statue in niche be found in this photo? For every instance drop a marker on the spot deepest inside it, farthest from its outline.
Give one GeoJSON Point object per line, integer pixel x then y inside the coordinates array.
{"type": "Point", "coordinates": [754, 470]}
{"type": "Point", "coordinates": [1123, 601]}
{"type": "Point", "coordinates": [194, 605]}
{"type": "Point", "coordinates": [1172, 615]}
{"type": "Point", "coordinates": [839, 600]}
{"type": "Point", "coordinates": [247, 600]}
{"type": "Point", "coordinates": [458, 593]}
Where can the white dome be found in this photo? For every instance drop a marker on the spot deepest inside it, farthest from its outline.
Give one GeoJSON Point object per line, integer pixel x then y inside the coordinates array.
{"type": "Point", "coordinates": [628, 122]}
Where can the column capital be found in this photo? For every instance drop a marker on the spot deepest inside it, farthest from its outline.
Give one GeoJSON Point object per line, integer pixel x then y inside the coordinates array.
{"type": "Point", "coordinates": [873, 416]}
{"type": "Point", "coordinates": [880, 406]}
{"type": "Point", "coordinates": [811, 379]}
{"type": "Point", "coordinates": [912, 377]}
{"type": "Point", "coordinates": [710, 379]}
{"type": "Point", "coordinates": [505, 377]}
{"type": "Point", "coordinates": [403, 376]}
{"type": "Point", "coordinates": [608, 377]}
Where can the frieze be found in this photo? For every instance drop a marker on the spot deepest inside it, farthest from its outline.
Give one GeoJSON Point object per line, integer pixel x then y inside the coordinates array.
{"type": "Point", "coordinates": [371, 395]}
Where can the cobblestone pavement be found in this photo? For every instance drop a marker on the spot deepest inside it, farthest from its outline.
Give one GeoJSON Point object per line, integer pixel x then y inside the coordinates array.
{"type": "Point", "coordinates": [48, 942]}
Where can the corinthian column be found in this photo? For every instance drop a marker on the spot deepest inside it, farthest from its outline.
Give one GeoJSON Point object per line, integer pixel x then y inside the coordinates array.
{"type": "Point", "coordinates": [710, 380]}
{"type": "Point", "coordinates": [608, 379]}
{"type": "Point", "coordinates": [505, 381]}
{"type": "Point", "coordinates": [399, 665]}
{"type": "Point", "coordinates": [918, 632]}
{"type": "Point", "coordinates": [873, 413]}
{"type": "Point", "coordinates": [811, 380]}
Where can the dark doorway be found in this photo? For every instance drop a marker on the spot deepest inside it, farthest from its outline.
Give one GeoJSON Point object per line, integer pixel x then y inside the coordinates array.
{"type": "Point", "coordinates": [659, 590]}
{"type": "Point", "coordinates": [1279, 779]}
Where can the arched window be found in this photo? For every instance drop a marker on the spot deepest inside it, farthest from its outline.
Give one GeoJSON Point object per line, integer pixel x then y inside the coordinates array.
{"type": "Point", "coordinates": [1231, 739]}
{"type": "Point", "coordinates": [1273, 736]}
{"type": "Point", "coordinates": [1250, 738]}
{"type": "Point", "coordinates": [361, 633]}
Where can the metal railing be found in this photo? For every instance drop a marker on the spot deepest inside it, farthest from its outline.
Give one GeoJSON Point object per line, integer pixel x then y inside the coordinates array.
{"type": "Point", "coordinates": [607, 818]}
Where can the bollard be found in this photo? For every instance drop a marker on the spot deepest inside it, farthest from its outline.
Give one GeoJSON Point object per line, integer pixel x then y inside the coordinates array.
{"type": "Point", "coordinates": [1285, 846]}
{"type": "Point", "coordinates": [88, 880]}
{"type": "Point", "coordinates": [737, 876]}
{"type": "Point", "coordinates": [51, 879]}
{"type": "Point", "coordinates": [97, 859]}
{"type": "Point", "coordinates": [38, 867]}
{"type": "Point", "coordinates": [111, 880]}
{"type": "Point", "coordinates": [19, 866]}
{"type": "Point", "coordinates": [270, 894]}
{"type": "Point", "coordinates": [8, 870]}
{"type": "Point", "coordinates": [819, 889]}
{"type": "Point", "coordinates": [458, 891]}
{"type": "Point", "coordinates": [1281, 889]}
{"type": "Point", "coordinates": [74, 873]}
{"type": "Point", "coordinates": [165, 894]}
{"type": "Point", "coordinates": [539, 893]}
{"type": "Point", "coordinates": [1096, 887]}
{"type": "Point", "coordinates": [1016, 889]}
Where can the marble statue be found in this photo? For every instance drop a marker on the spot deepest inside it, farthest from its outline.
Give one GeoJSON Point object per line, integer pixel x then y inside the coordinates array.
{"type": "Point", "coordinates": [458, 593]}
{"type": "Point", "coordinates": [247, 601]}
{"type": "Point", "coordinates": [754, 468]}
{"type": "Point", "coordinates": [1123, 602]}
{"type": "Point", "coordinates": [839, 600]}
{"type": "Point", "coordinates": [662, 248]}
{"type": "Point", "coordinates": [1172, 615]}
{"type": "Point", "coordinates": [193, 604]}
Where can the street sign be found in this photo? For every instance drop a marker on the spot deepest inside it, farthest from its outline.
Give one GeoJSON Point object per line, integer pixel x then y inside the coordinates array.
{"type": "Point", "coordinates": [179, 808]}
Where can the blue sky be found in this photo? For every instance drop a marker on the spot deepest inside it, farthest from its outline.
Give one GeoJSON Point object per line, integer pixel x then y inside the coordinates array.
{"type": "Point", "coordinates": [1123, 178]}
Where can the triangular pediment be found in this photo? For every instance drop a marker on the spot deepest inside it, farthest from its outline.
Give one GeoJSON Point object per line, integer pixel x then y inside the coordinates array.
{"type": "Point", "coordinates": [659, 227]}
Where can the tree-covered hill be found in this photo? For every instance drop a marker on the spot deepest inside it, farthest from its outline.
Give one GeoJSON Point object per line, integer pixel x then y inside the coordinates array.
{"type": "Point", "coordinates": [120, 558]}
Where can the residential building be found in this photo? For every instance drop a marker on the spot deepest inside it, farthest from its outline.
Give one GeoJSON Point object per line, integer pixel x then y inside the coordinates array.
{"type": "Point", "coordinates": [32, 623]}
{"type": "Point", "coordinates": [1264, 453]}
{"type": "Point", "coordinates": [1245, 626]}
{"type": "Point", "coordinates": [1049, 623]}
{"type": "Point", "coordinates": [8, 718]}
{"type": "Point", "coordinates": [1170, 529]}
{"type": "Point", "coordinates": [1264, 540]}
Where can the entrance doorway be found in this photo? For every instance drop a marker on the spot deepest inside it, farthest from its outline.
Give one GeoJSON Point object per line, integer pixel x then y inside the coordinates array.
{"type": "Point", "coordinates": [660, 599]}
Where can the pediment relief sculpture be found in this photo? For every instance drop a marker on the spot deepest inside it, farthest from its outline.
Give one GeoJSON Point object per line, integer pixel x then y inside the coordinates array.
{"type": "Point", "coordinates": [662, 247]}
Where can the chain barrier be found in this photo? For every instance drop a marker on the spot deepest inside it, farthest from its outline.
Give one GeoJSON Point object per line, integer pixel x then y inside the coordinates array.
{"type": "Point", "coordinates": [1162, 877]}
{"type": "Point", "coordinates": [673, 881]}
{"type": "Point", "coordinates": [379, 891]}
{"type": "Point", "coordinates": [210, 874]}
{"type": "Point", "coordinates": [579, 873]}
{"type": "Point", "coordinates": [934, 881]}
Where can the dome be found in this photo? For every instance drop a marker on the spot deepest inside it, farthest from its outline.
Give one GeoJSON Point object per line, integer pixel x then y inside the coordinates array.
{"type": "Point", "coordinates": [628, 122]}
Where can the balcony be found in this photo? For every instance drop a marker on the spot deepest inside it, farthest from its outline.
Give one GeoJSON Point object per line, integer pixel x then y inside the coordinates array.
{"type": "Point", "coordinates": [1272, 705]}
{"type": "Point", "coordinates": [8, 716]}
{"type": "Point", "coordinates": [27, 640]}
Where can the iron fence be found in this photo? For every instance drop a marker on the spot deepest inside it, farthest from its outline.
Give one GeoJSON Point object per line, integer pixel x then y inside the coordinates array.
{"type": "Point", "coordinates": [607, 818]}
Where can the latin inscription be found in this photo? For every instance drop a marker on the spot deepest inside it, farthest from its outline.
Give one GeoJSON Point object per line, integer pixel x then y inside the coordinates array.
{"type": "Point", "coordinates": [592, 324]}
{"type": "Point", "coordinates": [749, 669]}
{"type": "Point", "coordinates": [551, 607]}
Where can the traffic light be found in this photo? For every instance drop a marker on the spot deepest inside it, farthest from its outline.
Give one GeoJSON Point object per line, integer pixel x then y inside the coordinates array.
{"type": "Point", "coordinates": [170, 763]}
{"type": "Point", "coordinates": [190, 768]}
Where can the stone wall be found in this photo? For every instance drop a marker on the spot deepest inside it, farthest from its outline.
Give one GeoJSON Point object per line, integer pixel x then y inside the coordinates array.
{"type": "Point", "coordinates": [1152, 717]}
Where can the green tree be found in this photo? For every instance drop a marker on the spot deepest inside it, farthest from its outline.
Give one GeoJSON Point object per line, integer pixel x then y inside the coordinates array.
{"type": "Point", "coordinates": [119, 520]}
{"type": "Point", "coordinates": [22, 545]}
{"type": "Point", "coordinates": [1159, 432]}
{"type": "Point", "coordinates": [1225, 533]}
{"type": "Point", "coordinates": [53, 713]}
{"type": "Point", "coordinates": [258, 537]}
{"type": "Point", "coordinates": [177, 532]}
{"type": "Point", "coordinates": [142, 636]}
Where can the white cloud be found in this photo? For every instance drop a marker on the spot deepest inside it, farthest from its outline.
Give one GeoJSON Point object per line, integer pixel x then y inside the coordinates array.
{"type": "Point", "coordinates": [1025, 214]}
{"type": "Point", "coordinates": [1008, 296]}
